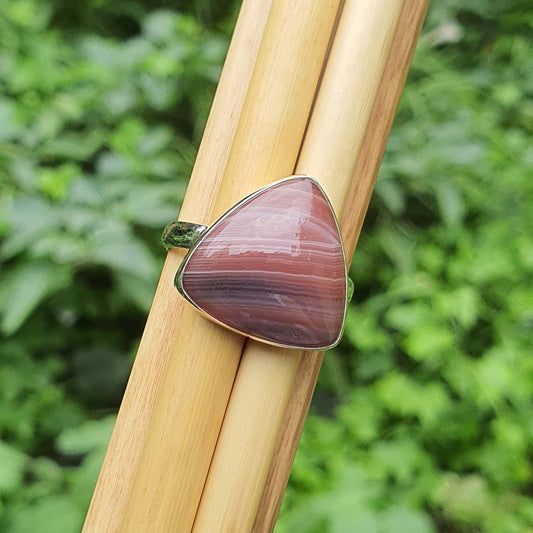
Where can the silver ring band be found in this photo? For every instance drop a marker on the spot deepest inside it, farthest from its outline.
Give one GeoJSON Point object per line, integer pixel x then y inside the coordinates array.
{"type": "Point", "coordinates": [180, 234]}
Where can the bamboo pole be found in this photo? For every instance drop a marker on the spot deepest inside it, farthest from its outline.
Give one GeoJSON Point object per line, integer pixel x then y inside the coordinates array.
{"type": "Point", "coordinates": [159, 345]}
{"type": "Point", "coordinates": [266, 376]}
{"type": "Point", "coordinates": [172, 411]}
{"type": "Point", "coordinates": [266, 145]}
{"type": "Point", "coordinates": [280, 96]}
{"type": "Point", "coordinates": [351, 220]}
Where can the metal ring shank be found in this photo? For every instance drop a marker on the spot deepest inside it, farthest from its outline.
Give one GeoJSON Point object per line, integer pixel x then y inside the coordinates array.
{"type": "Point", "coordinates": [180, 234]}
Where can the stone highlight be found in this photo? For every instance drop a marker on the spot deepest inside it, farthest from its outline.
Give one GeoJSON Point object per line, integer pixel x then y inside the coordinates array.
{"type": "Point", "coordinates": [273, 268]}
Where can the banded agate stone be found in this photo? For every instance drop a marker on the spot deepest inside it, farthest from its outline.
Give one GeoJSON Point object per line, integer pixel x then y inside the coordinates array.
{"type": "Point", "coordinates": [273, 268]}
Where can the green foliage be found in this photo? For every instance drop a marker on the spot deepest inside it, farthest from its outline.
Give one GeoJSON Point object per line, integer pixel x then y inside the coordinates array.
{"type": "Point", "coordinates": [422, 414]}
{"type": "Point", "coordinates": [435, 375]}
{"type": "Point", "coordinates": [97, 138]}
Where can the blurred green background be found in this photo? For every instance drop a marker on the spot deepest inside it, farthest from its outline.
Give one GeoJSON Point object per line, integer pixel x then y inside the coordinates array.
{"type": "Point", "coordinates": [423, 417]}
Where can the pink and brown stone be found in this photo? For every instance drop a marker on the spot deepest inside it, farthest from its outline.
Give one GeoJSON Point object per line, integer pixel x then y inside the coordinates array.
{"type": "Point", "coordinates": [273, 268]}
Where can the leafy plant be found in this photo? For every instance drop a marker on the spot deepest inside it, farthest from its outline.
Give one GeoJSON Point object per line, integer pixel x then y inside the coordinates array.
{"type": "Point", "coordinates": [97, 137]}
{"type": "Point", "coordinates": [434, 376]}
{"type": "Point", "coordinates": [422, 416]}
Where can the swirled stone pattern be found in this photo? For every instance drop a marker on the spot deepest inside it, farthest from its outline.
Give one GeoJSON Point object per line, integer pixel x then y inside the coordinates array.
{"type": "Point", "coordinates": [273, 268]}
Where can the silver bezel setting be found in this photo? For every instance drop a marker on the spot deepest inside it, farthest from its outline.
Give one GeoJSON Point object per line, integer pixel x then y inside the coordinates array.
{"type": "Point", "coordinates": [178, 280]}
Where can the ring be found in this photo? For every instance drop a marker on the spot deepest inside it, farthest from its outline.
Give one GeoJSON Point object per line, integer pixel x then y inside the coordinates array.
{"type": "Point", "coordinates": [271, 268]}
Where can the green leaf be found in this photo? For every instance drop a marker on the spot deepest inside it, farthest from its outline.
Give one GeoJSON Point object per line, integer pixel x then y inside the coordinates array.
{"type": "Point", "coordinates": [126, 138]}
{"type": "Point", "coordinates": [398, 247]}
{"type": "Point", "coordinates": [407, 317]}
{"type": "Point", "coordinates": [26, 14]}
{"type": "Point", "coordinates": [137, 290]}
{"type": "Point", "coordinates": [402, 520]}
{"type": "Point", "coordinates": [90, 435]}
{"type": "Point", "coordinates": [160, 26]}
{"type": "Point", "coordinates": [392, 195]}
{"type": "Point", "coordinates": [494, 373]}
{"type": "Point", "coordinates": [404, 396]}
{"type": "Point", "coordinates": [363, 332]}
{"type": "Point", "coordinates": [462, 304]}
{"type": "Point", "coordinates": [83, 480]}
{"type": "Point", "coordinates": [400, 459]}
{"type": "Point", "coordinates": [463, 498]}
{"type": "Point", "coordinates": [451, 204]}
{"type": "Point", "coordinates": [10, 127]}
{"type": "Point", "coordinates": [362, 416]}
{"type": "Point", "coordinates": [73, 145]}
{"type": "Point", "coordinates": [428, 342]}
{"type": "Point", "coordinates": [345, 509]}
{"type": "Point", "coordinates": [25, 288]}
{"type": "Point", "coordinates": [27, 217]}
{"type": "Point", "coordinates": [53, 514]}
{"type": "Point", "coordinates": [55, 181]}
{"type": "Point", "coordinates": [130, 257]}
{"type": "Point", "coordinates": [12, 465]}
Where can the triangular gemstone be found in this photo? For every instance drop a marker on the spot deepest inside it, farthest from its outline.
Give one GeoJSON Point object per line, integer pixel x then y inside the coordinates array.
{"type": "Point", "coordinates": [273, 267]}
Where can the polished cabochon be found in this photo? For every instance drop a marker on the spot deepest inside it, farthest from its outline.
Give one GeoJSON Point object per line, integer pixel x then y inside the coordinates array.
{"type": "Point", "coordinates": [273, 267]}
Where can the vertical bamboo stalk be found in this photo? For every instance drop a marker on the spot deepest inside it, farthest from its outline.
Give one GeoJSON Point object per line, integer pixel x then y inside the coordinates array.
{"type": "Point", "coordinates": [266, 145]}
{"type": "Point", "coordinates": [266, 375]}
{"type": "Point", "coordinates": [129, 442]}
{"type": "Point", "coordinates": [352, 215]}
{"type": "Point", "coordinates": [249, 433]}
{"type": "Point", "coordinates": [279, 100]}
{"type": "Point", "coordinates": [172, 411]}
{"type": "Point", "coordinates": [230, 507]}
